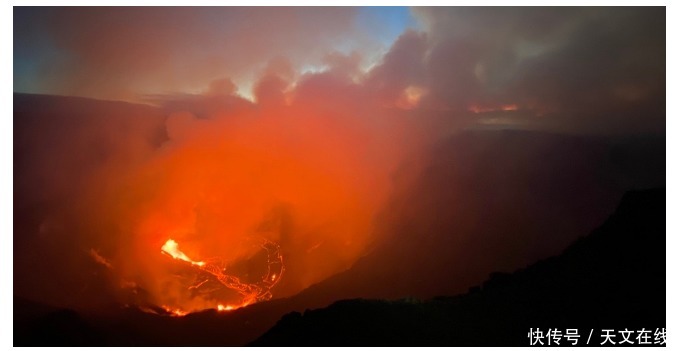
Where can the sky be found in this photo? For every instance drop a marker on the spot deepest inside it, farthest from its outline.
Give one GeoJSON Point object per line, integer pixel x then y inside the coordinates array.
{"type": "Point", "coordinates": [580, 66]}
{"type": "Point", "coordinates": [60, 51]}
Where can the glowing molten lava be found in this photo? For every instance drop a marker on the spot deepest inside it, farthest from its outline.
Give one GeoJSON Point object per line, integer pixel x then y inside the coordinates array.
{"type": "Point", "coordinates": [225, 308]}
{"type": "Point", "coordinates": [172, 249]}
{"type": "Point", "coordinates": [176, 312]}
{"type": "Point", "coordinates": [250, 292]}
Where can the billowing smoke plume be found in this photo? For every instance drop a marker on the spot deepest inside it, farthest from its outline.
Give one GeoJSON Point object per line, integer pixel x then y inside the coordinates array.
{"type": "Point", "coordinates": [307, 176]}
{"type": "Point", "coordinates": [307, 166]}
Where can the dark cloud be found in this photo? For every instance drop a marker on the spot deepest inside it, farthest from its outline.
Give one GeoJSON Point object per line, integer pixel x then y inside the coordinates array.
{"type": "Point", "coordinates": [591, 69]}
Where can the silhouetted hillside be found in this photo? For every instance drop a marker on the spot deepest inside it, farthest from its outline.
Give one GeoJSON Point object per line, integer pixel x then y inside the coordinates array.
{"type": "Point", "coordinates": [612, 278]}
{"type": "Point", "coordinates": [59, 142]}
{"type": "Point", "coordinates": [40, 325]}
{"type": "Point", "coordinates": [490, 201]}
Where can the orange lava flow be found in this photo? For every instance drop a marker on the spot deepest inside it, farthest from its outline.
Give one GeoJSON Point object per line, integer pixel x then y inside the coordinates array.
{"type": "Point", "coordinates": [221, 307]}
{"type": "Point", "coordinates": [250, 292]}
{"type": "Point", "coordinates": [172, 249]}
{"type": "Point", "coordinates": [176, 312]}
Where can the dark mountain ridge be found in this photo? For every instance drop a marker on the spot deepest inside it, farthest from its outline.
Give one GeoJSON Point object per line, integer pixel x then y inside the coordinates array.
{"type": "Point", "coordinates": [612, 278]}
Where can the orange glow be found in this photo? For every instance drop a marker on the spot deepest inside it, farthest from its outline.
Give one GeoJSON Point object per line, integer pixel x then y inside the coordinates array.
{"type": "Point", "coordinates": [240, 183]}
{"type": "Point", "coordinates": [100, 259]}
{"type": "Point", "coordinates": [250, 292]}
{"type": "Point", "coordinates": [225, 308]}
{"type": "Point", "coordinates": [474, 108]}
{"type": "Point", "coordinates": [171, 248]}
{"type": "Point", "coordinates": [410, 97]}
{"type": "Point", "coordinates": [175, 312]}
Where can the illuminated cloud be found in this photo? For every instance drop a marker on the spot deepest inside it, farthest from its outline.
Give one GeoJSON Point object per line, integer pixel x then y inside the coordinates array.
{"type": "Point", "coordinates": [119, 53]}
{"type": "Point", "coordinates": [558, 61]}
